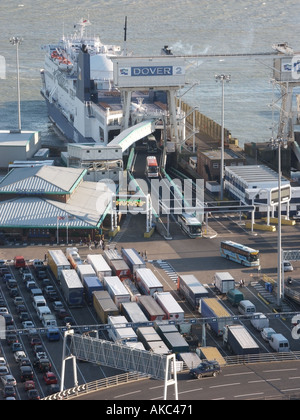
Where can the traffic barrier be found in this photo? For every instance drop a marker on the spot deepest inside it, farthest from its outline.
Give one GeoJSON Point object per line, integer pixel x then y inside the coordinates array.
{"type": "Point", "coordinates": [283, 221]}
{"type": "Point", "coordinates": [257, 226]}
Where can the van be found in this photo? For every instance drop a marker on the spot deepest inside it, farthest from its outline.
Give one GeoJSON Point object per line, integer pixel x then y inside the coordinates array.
{"type": "Point", "coordinates": [43, 310]}
{"type": "Point", "coordinates": [20, 262]}
{"type": "Point", "coordinates": [36, 292]}
{"type": "Point", "coordinates": [246, 307]}
{"type": "Point", "coordinates": [279, 343]}
{"type": "Point", "coordinates": [39, 302]}
{"type": "Point", "coordinates": [234, 296]}
{"type": "Point", "coordinates": [259, 321]}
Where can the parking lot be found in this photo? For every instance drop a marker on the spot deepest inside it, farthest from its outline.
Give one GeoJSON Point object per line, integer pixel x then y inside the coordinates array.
{"type": "Point", "coordinates": [27, 340]}
{"type": "Point", "coordinates": [185, 256]}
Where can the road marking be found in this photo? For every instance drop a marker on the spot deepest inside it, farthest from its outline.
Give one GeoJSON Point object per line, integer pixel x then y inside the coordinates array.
{"type": "Point", "coordinates": [241, 373]}
{"type": "Point", "coordinates": [248, 395]}
{"type": "Point", "coordinates": [125, 395]}
{"type": "Point", "coordinates": [279, 370]}
{"type": "Point", "coordinates": [289, 390]}
{"type": "Point", "coordinates": [191, 390]}
{"type": "Point", "coordinates": [220, 386]}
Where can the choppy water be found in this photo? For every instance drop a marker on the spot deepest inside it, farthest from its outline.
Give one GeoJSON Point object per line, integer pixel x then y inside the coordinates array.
{"type": "Point", "coordinates": [188, 26]}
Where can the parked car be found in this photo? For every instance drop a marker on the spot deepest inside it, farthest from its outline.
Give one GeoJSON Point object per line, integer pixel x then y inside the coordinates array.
{"type": "Point", "coordinates": [4, 371]}
{"type": "Point", "coordinates": [8, 380]}
{"type": "Point", "coordinates": [50, 378]}
{"type": "Point", "coordinates": [267, 333]}
{"type": "Point", "coordinates": [16, 347]}
{"type": "Point", "coordinates": [9, 391]}
{"type": "Point", "coordinates": [206, 368]}
{"type": "Point", "coordinates": [287, 266]}
{"type": "Point", "coordinates": [33, 395]}
{"type": "Point", "coordinates": [26, 373]}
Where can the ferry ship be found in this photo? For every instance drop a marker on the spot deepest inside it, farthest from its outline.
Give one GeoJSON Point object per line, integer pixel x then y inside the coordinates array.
{"type": "Point", "coordinates": [82, 99]}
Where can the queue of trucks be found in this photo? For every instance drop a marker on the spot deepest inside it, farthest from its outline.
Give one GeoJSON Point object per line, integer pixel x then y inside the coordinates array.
{"type": "Point", "coordinates": [122, 291]}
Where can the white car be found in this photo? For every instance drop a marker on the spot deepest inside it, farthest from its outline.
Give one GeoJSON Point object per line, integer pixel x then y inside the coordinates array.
{"type": "Point", "coordinates": [287, 266]}
{"type": "Point", "coordinates": [267, 333]}
{"type": "Point", "coordinates": [8, 380]}
{"type": "Point", "coordinates": [4, 371]}
{"type": "Point", "coordinates": [2, 361]}
{"type": "Point", "coordinates": [19, 355]}
{"type": "Point", "coordinates": [27, 325]}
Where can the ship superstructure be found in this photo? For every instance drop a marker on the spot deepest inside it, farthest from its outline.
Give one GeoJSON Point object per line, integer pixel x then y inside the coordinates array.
{"type": "Point", "coordinates": [82, 99]}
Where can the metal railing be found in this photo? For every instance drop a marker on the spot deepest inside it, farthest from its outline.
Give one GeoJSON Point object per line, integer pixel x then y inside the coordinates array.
{"type": "Point", "coordinates": [262, 358]}
{"type": "Point", "coordinates": [95, 386]}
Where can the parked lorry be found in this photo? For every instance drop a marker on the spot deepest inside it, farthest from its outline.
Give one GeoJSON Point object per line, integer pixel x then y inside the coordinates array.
{"type": "Point", "coordinates": [73, 257]}
{"type": "Point", "coordinates": [72, 288]}
{"type": "Point", "coordinates": [57, 261]}
{"type": "Point", "coordinates": [100, 266]}
{"type": "Point", "coordinates": [104, 306]}
{"type": "Point", "coordinates": [120, 269]}
{"type": "Point", "coordinates": [132, 289]}
{"type": "Point", "coordinates": [147, 282]}
{"type": "Point", "coordinates": [191, 289]}
{"type": "Point", "coordinates": [218, 316]}
{"type": "Point", "coordinates": [85, 270]}
{"type": "Point", "coordinates": [119, 332]}
{"type": "Point", "coordinates": [116, 290]}
{"type": "Point", "coordinates": [239, 340]}
{"type": "Point", "coordinates": [133, 313]}
{"type": "Point", "coordinates": [152, 341]}
{"type": "Point", "coordinates": [91, 284]}
{"type": "Point", "coordinates": [133, 259]}
{"type": "Point", "coordinates": [170, 306]}
{"type": "Point", "coordinates": [151, 309]}
{"type": "Point", "coordinates": [224, 282]}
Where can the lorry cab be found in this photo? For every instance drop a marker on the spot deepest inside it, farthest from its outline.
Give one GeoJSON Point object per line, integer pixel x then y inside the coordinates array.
{"type": "Point", "coordinates": [20, 262]}
{"type": "Point", "coordinates": [279, 343]}
{"type": "Point", "coordinates": [246, 307]}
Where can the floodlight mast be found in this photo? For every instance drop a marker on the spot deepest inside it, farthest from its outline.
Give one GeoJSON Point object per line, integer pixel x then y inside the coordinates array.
{"type": "Point", "coordinates": [16, 40]}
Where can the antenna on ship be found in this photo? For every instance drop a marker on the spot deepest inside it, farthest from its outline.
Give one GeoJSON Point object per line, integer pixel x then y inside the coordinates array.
{"type": "Point", "coordinates": [125, 36]}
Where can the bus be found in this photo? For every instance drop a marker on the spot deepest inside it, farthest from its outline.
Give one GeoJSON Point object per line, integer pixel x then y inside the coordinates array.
{"type": "Point", "coordinates": [152, 170]}
{"type": "Point", "coordinates": [190, 225]}
{"type": "Point", "coordinates": [239, 253]}
{"type": "Point", "coordinates": [152, 144]}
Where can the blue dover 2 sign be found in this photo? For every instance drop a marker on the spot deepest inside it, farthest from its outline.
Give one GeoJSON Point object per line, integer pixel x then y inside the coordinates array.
{"type": "Point", "coordinates": [132, 72]}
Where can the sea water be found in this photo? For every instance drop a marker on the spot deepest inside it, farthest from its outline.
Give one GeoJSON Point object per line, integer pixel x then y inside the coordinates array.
{"type": "Point", "coordinates": [186, 26]}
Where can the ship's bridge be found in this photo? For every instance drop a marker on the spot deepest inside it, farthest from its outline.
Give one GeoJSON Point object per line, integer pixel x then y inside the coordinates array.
{"type": "Point", "coordinates": [131, 135]}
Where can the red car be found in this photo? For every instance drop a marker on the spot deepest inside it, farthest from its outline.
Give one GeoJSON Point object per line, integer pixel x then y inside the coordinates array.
{"type": "Point", "coordinates": [50, 378]}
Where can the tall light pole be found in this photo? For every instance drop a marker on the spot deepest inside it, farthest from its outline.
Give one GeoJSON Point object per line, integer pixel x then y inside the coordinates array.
{"type": "Point", "coordinates": [16, 40]}
{"type": "Point", "coordinates": [223, 78]}
{"type": "Point", "coordinates": [278, 144]}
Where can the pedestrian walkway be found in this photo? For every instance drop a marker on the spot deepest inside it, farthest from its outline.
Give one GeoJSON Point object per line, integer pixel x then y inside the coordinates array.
{"type": "Point", "coordinates": [168, 269]}
{"type": "Point", "coordinates": [269, 297]}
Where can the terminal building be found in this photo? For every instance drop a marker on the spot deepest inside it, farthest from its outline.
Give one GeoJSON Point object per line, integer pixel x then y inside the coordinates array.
{"type": "Point", "coordinates": [258, 185]}
{"type": "Point", "coordinates": [44, 202]}
{"type": "Point", "coordinates": [18, 145]}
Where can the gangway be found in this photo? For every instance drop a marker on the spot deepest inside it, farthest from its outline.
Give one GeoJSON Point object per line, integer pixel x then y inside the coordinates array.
{"type": "Point", "coordinates": [131, 135]}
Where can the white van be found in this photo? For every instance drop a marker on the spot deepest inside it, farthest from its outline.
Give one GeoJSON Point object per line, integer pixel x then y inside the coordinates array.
{"type": "Point", "coordinates": [44, 310]}
{"type": "Point", "coordinates": [39, 302]}
{"type": "Point", "coordinates": [246, 307]}
{"type": "Point", "coordinates": [279, 343]}
{"type": "Point", "coordinates": [259, 321]}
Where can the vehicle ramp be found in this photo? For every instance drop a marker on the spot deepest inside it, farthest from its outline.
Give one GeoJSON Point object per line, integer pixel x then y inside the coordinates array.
{"type": "Point", "coordinates": [133, 134]}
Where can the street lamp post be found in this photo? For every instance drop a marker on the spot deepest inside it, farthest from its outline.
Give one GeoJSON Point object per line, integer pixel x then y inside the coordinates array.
{"type": "Point", "coordinates": [278, 144]}
{"type": "Point", "coordinates": [222, 78]}
{"type": "Point", "coordinates": [17, 41]}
